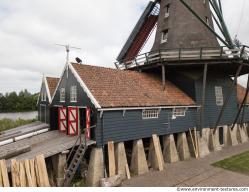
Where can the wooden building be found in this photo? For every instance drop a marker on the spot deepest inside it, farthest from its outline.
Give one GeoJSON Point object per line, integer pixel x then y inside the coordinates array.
{"type": "Point", "coordinates": [124, 105]}
{"type": "Point", "coordinates": [45, 98]}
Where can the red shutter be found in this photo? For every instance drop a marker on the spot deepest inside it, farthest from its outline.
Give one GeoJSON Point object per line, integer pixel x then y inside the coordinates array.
{"type": "Point", "coordinates": [88, 123]}
{"type": "Point", "coordinates": [62, 119]}
{"type": "Point", "coordinates": [73, 121]}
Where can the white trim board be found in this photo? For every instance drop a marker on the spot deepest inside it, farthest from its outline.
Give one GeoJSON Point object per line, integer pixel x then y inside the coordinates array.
{"type": "Point", "coordinates": [48, 91]}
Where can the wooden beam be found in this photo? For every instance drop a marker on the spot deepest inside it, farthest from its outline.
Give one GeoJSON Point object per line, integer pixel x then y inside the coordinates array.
{"type": "Point", "coordinates": [42, 170]}
{"type": "Point", "coordinates": [111, 159]}
{"type": "Point", "coordinates": [15, 173]}
{"type": "Point", "coordinates": [23, 179]}
{"type": "Point", "coordinates": [4, 171]}
{"type": "Point", "coordinates": [28, 173]}
{"type": "Point", "coordinates": [194, 142]}
{"type": "Point", "coordinates": [163, 77]}
{"type": "Point", "coordinates": [1, 178]}
{"type": "Point", "coordinates": [127, 170]}
{"type": "Point", "coordinates": [204, 82]}
{"type": "Point", "coordinates": [32, 172]}
{"type": "Point", "coordinates": [14, 152]}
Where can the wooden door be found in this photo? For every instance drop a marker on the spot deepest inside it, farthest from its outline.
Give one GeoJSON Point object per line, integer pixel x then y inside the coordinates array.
{"type": "Point", "coordinates": [73, 121]}
{"type": "Point", "coordinates": [62, 119]}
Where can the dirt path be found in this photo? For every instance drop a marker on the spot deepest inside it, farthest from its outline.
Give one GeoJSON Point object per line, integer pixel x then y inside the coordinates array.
{"type": "Point", "coordinates": [195, 172]}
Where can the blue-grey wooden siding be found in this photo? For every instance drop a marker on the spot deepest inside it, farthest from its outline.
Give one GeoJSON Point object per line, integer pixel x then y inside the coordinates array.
{"type": "Point", "coordinates": [212, 111]}
{"type": "Point", "coordinates": [42, 113]}
{"type": "Point", "coordinates": [115, 127]}
{"type": "Point", "coordinates": [66, 82]}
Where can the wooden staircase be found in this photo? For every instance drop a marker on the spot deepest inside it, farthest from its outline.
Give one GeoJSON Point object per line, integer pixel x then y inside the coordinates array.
{"type": "Point", "coordinates": [77, 158]}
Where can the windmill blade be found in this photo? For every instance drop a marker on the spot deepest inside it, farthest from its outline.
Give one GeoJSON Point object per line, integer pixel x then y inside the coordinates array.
{"type": "Point", "coordinates": [140, 33]}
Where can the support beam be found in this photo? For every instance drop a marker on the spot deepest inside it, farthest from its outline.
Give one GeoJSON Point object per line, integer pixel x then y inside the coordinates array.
{"type": "Point", "coordinates": [111, 159]}
{"type": "Point", "coordinates": [163, 76]}
{"type": "Point", "coordinates": [228, 96]}
{"type": "Point", "coordinates": [204, 82]}
{"type": "Point", "coordinates": [121, 159]}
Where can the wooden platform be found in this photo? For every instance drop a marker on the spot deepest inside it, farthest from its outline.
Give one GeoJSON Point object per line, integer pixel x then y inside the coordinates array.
{"type": "Point", "coordinates": [48, 144]}
{"type": "Point", "coordinates": [22, 130]}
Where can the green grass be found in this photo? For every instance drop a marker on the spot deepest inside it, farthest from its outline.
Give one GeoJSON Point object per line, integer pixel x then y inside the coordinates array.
{"type": "Point", "coordinates": [6, 124]}
{"type": "Point", "coordinates": [238, 163]}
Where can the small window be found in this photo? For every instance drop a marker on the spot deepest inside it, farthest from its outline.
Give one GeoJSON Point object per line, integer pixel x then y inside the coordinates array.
{"type": "Point", "coordinates": [150, 113]}
{"type": "Point", "coordinates": [73, 94]}
{"type": "Point", "coordinates": [219, 96]}
{"type": "Point", "coordinates": [167, 11]}
{"type": "Point", "coordinates": [43, 96]}
{"type": "Point", "coordinates": [165, 35]}
{"type": "Point", "coordinates": [207, 20]}
{"type": "Point", "coordinates": [178, 112]}
{"type": "Point", "coordinates": [62, 95]}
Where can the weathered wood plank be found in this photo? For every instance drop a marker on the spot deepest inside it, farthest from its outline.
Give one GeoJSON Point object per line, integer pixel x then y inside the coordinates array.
{"type": "Point", "coordinates": [32, 172]}
{"type": "Point", "coordinates": [15, 174]}
{"type": "Point", "coordinates": [1, 179]}
{"type": "Point", "coordinates": [127, 170]}
{"type": "Point", "coordinates": [43, 174]}
{"type": "Point", "coordinates": [4, 172]}
{"type": "Point", "coordinates": [28, 174]}
{"type": "Point", "coordinates": [111, 158]}
{"type": "Point", "coordinates": [23, 179]}
{"type": "Point", "coordinates": [14, 152]}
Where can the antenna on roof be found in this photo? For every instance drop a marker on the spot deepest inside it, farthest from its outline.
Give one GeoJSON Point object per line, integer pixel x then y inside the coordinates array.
{"type": "Point", "coordinates": [68, 47]}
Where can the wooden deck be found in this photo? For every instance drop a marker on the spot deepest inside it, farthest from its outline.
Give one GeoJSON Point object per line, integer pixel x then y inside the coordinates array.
{"type": "Point", "coordinates": [48, 144]}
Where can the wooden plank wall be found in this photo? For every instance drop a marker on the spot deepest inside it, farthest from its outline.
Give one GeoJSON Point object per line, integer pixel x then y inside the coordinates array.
{"type": "Point", "coordinates": [27, 173]}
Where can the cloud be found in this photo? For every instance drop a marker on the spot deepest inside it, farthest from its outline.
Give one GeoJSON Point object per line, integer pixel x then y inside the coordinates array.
{"type": "Point", "coordinates": [30, 29]}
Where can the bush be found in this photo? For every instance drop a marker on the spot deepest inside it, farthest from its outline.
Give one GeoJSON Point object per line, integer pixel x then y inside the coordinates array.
{"type": "Point", "coordinates": [6, 124]}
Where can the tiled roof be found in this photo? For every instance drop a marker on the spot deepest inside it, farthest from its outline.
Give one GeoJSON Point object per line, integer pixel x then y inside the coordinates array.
{"type": "Point", "coordinates": [52, 83]}
{"type": "Point", "coordinates": [241, 91]}
{"type": "Point", "coordinates": [118, 88]}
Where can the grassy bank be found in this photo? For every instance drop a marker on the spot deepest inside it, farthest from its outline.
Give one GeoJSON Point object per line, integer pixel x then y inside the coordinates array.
{"type": "Point", "coordinates": [238, 163]}
{"type": "Point", "coordinates": [6, 124]}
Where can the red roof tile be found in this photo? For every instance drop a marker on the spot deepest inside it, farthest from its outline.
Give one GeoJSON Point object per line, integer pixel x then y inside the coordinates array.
{"type": "Point", "coordinates": [52, 83]}
{"type": "Point", "coordinates": [118, 88]}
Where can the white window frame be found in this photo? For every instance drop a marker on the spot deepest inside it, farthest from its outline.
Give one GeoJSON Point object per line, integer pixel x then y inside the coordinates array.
{"type": "Point", "coordinates": [164, 37]}
{"type": "Point", "coordinates": [73, 93]}
{"type": "Point", "coordinates": [179, 112]}
{"type": "Point", "coordinates": [150, 113]}
{"type": "Point", "coordinates": [219, 95]}
{"type": "Point", "coordinates": [62, 95]}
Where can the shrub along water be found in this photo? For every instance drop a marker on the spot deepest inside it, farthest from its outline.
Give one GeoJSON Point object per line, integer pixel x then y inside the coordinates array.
{"type": "Point", "coordinates": [6, 124]}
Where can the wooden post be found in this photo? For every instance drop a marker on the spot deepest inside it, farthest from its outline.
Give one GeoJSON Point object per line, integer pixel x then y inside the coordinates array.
{"type": "Point", "coordinates": [194, 143]}
{"type": "Point", "coordinates": [128, 175]}
{"type": "Point", "coordinates": [1, 178]}
{"type": "Point", "coordinates": [158, 152]}
{"type": "Point", "coordinates": [23, 179]}
{"type": "Point", "coordinates": [203, 96]}
{"type": "Point", "coordinates": [42, 170]}
{"type": "Point", "coordinates": [163, 76]}
{"type": "Point", "coordinates": [15, 174]}
{"type": "Point", "coordinates": [111, 158]}
{"type": "Point", "coordinates": [28, 173]}
{"type": "Point", "coordinates": [32, 172]}
{"type": "Point", "coordinates": [4, 171]}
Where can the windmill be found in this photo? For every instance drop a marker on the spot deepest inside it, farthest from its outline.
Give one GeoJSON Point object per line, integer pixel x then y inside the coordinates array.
{"type": "Point", "coordinates": [187, 41]}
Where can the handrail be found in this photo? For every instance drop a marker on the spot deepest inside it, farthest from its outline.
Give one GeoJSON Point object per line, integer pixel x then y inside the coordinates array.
{"type": "Point", "coordinates": [75, 144]}
{"type": "Point", "coordinates": [183, 54]}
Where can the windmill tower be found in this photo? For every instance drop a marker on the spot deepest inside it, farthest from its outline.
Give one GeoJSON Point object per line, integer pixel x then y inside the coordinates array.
{"type": "Point", "coordinates": [186, 51]}
{"type": "Point", "coordinates": [178, 28]}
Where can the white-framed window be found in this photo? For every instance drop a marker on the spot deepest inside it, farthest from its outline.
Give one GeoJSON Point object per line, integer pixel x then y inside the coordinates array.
{"type": "Point", "coordinates": [62, 95]}
{"type": "Point", "coordinates": [43, 96]}
{"type": "Point", "coordinates": [179, 112]}
{"type": "Point", "coordinates": [150, 113]}
{"type": "Point", "coordinates": [167, 11]}
{"type": "Point", "coordinates": [219, 96]}
{"type": "Point", "coordinates": [165, 35]}
{"type": "Point", "coordinates": [73, 93]}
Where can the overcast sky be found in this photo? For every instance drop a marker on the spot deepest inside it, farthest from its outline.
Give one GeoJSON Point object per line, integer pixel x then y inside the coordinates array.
{"type": "Point", "coordinates": [29, 30]}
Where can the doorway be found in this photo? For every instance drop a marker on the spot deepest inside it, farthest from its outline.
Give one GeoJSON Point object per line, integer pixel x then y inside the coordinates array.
{"type": "Point", "coordinates": [221, 135]}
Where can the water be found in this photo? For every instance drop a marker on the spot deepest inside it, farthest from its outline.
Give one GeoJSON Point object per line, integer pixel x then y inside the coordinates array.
{"type": "Point", "coordinates": [21, 115]}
